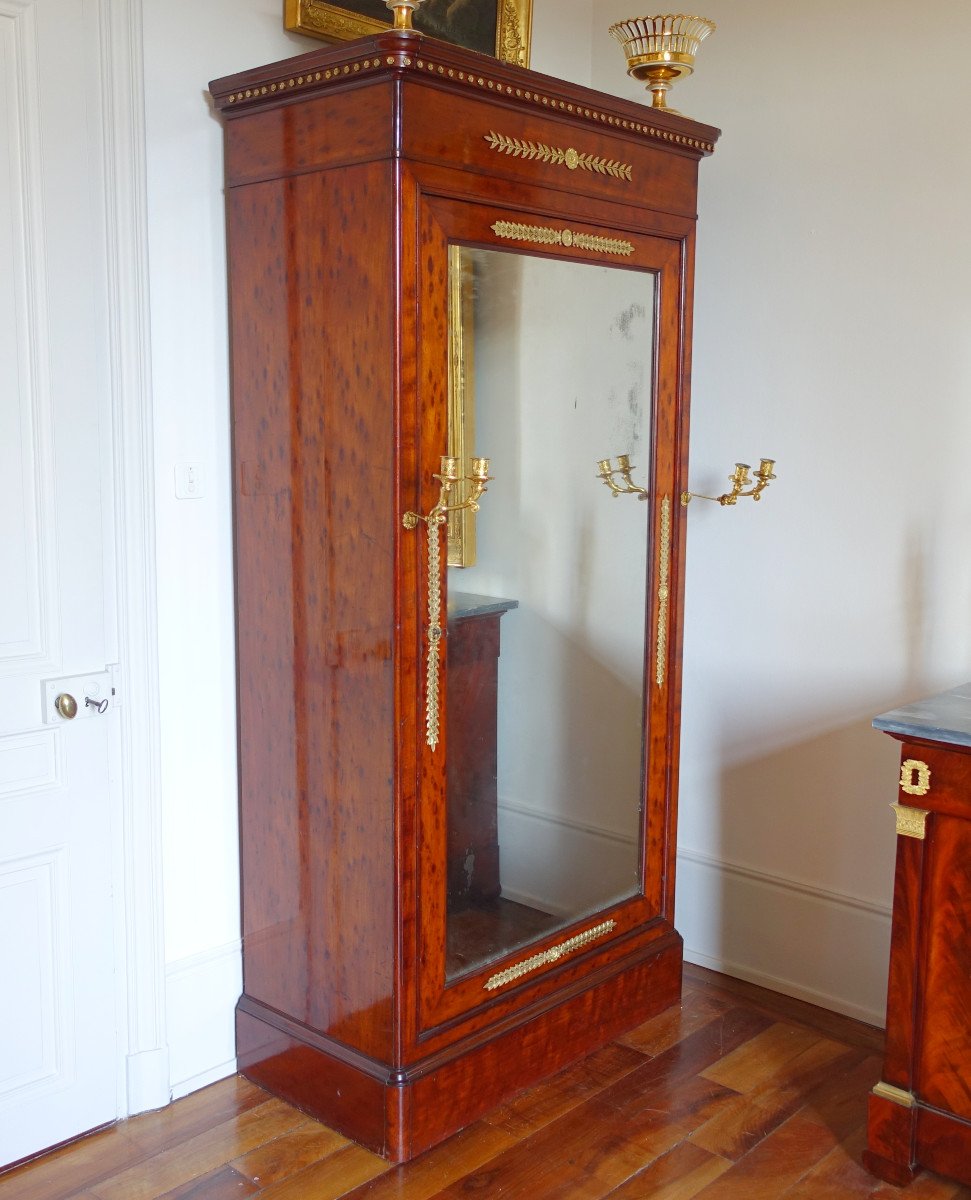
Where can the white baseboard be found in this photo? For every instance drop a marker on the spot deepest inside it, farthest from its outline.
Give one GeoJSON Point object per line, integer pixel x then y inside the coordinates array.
{"type": "Point", "coordinates": [147, 1080]}
{"type": "Point", "coordinates": [829, 949]}
{"type": "Point", "coordinates": [201, 995]}
{"type": "Point", "coordinates": [222, 1071]}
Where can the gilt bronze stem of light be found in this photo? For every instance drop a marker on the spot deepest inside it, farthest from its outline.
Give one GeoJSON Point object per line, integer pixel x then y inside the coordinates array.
{"type": "Point", "coordinates": [448, 478]}
{"type": "Point", "coordinates": [661, 49]}
{"type": "Point", "coordinates": [740, 480]}
{"type": "Point", "coordinates": [402, 10]}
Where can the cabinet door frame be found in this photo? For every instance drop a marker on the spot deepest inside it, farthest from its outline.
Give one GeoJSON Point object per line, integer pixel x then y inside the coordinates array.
{"type": "Point", "coordinates": [465, 1004]}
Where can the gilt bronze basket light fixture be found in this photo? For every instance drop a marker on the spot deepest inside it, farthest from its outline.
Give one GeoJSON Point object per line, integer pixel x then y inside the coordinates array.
{"type": "Point", "coordinates": [661, 49]}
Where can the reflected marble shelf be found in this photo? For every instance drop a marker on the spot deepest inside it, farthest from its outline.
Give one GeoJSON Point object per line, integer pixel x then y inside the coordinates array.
{"type": "Point", "coordinates": [470, 604]}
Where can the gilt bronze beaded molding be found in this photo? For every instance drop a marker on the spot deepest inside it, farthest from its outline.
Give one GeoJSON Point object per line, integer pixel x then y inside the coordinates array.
{"type": "Point", "coordinates": [556, 156]}
{"type": "Point", "coordinates": [548, 235]}
{"type": "Point", "coordinates": [289, 83]}
{"type": "Point", "coordinates": [663, 591]}
{"type": "Point", "coordinates": [535, 961]}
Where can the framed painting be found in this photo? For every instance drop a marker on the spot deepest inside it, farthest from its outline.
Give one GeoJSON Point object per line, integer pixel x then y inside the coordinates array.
{"type": "Point", "coordinates": [500, 28]}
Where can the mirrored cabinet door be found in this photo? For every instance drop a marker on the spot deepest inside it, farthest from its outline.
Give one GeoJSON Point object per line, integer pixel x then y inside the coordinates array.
{"type": "Point", "coordinates": [546, 610]}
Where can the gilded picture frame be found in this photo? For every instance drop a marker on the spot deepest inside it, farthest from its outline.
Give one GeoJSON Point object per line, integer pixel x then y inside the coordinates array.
{"type": "Point", "coordinates": [497, 27]}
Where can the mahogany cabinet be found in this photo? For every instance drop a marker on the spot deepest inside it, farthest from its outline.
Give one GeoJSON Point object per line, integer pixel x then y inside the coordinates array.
{"type": "Point", "coordinates": [433, 256]}
{"type": "Point", "coordinates": [920, 1111]}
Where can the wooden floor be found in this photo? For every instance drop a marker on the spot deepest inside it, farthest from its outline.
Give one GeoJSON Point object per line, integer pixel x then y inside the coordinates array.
{"type": "Point", "coordinates": [738, 1094]}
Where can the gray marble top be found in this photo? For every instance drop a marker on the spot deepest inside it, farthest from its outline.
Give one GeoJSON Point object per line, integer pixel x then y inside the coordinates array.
{"type": "Point", "coordinates": [942, 718]}
{"type": "Point", "coordinates": [468, 604]}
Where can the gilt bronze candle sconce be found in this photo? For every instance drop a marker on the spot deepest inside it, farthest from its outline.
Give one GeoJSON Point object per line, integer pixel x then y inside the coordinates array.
{"type": "Point", "coordinates": [740, 480]}
{"type": "Point", "coordinates": [448, 478]}
{"type": "Point", "coordinates": [623, 469]}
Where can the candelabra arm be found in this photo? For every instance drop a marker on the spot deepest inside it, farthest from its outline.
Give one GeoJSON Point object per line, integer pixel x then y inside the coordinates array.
{"type": "Point", "coordinates": [623, 469]}
{"type": "Point", "coordinates": [739, 480]}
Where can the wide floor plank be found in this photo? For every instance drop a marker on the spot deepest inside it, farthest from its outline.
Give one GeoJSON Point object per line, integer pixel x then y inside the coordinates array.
{"type": "Point", "coordinates": [555, 1097]}
{"type": "Point", "coordinates": [301, 1147]}
{"type": "Point", "coordinates": [203, 1153]}
{"type": "Point", "coordinates": [745, 1120]}
{"type": "Point", "coordinates": [334, 1176]}
{"type": "Point", "coordinates": [429, 1175]}
{"type": "Point", "coordinates": [681, 1174]}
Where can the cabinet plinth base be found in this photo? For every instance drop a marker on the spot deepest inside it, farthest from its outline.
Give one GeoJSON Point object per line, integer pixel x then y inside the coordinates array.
{"type": "Point", "coordinates": [889, 1172]}
{"type": "Point", "coordinates": [904, 1141]}
{"type": "Point", "coordinates": [401, 1112]}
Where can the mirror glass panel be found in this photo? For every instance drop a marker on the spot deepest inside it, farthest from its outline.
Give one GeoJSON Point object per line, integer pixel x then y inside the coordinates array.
{"type": "Point", "coordinates": [552, 370]}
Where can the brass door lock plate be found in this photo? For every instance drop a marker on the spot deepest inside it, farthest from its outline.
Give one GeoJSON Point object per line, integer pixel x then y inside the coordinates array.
{"type": "Point", "coordinates": [77, 697]}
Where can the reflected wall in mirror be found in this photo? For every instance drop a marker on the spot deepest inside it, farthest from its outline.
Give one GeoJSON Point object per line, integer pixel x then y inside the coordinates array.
{"type": "Point", "coordinates": [544, 741]}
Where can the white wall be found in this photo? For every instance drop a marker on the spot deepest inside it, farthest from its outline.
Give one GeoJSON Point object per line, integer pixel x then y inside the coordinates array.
{"type": "Point", "coordinates": [831, 331]}
{"type": "Point", "coordinates": [186, 45]}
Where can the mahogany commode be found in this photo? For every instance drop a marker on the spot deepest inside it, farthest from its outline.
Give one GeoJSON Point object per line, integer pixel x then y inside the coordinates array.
{"type": "Point", "coordinates": [920, 1111]}
{"type": "Point", "coordinates": [357, 177]}
{"type": "Point", "coordinates": [472, 870]}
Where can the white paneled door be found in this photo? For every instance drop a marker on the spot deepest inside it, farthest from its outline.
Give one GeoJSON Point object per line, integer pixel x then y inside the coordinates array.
{"type": "Point", "coordinates": [59, 1051]}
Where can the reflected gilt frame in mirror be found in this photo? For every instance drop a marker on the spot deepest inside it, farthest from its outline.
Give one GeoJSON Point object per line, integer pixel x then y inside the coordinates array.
{"type": "Point", "coordinates": [461, 397]}
{"type": "Point", "coordinates": [363, 18]}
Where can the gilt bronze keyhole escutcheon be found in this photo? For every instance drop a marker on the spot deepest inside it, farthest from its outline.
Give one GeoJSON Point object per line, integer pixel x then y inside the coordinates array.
{"type": "Point", "coordinates": [915, 777]}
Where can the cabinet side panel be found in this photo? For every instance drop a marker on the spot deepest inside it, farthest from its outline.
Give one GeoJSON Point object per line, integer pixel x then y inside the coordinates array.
{"type": "Point", "coordinates": [311, 299]}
